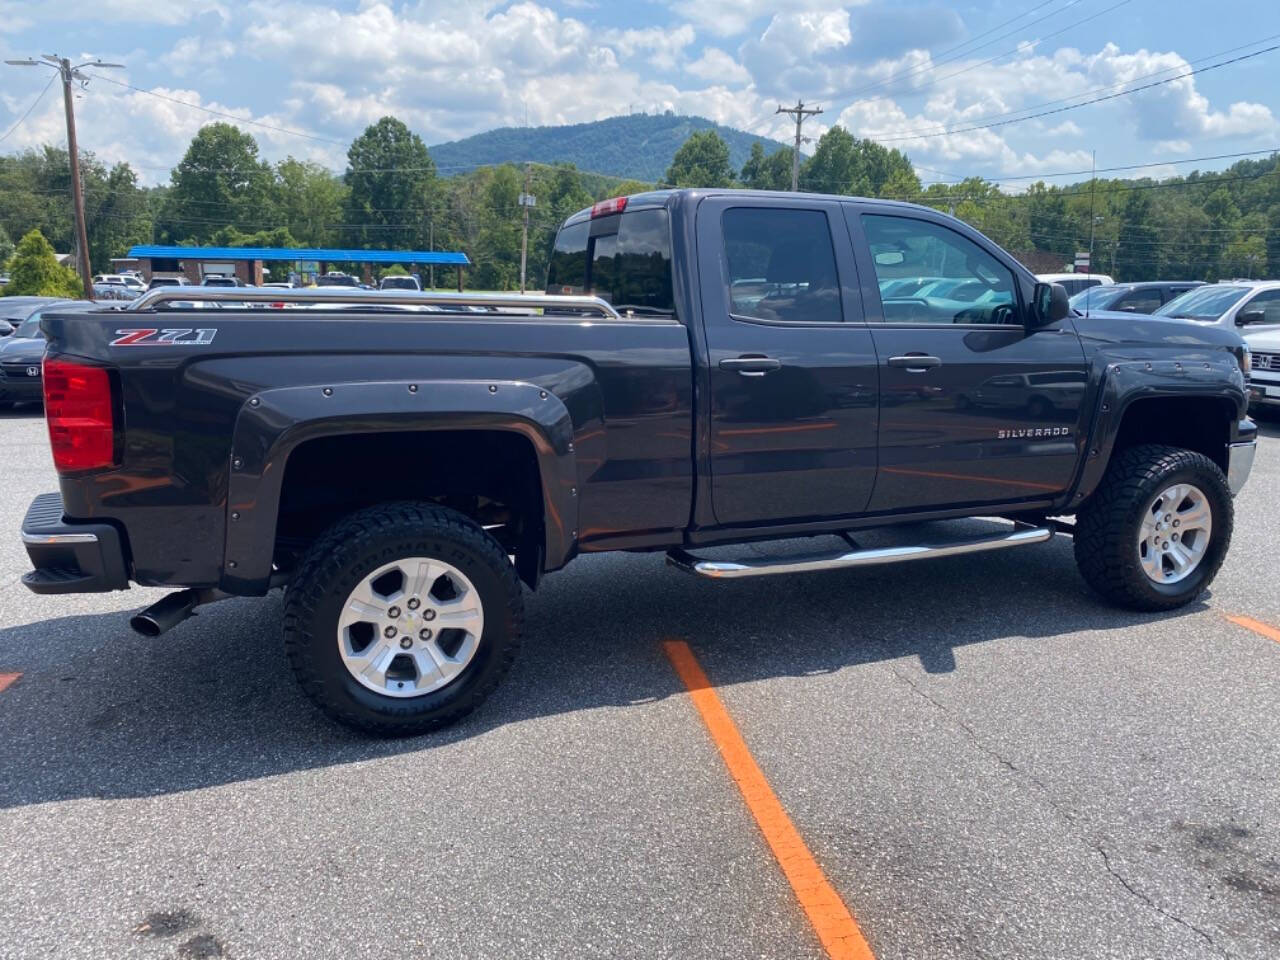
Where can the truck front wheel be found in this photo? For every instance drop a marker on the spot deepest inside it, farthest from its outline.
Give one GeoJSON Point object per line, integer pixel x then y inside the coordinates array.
{"type": "Point", "coordinates": [1156, 530]}
{"type": "Point", "coordinates": [402, 618]}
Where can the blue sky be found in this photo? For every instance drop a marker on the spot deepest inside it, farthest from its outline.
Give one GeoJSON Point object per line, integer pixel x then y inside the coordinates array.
{"type": "Point", "coordinates": [891, 70]}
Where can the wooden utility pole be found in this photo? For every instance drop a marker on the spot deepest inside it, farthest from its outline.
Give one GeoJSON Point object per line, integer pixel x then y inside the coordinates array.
{"type": "Point", "coordinates": [69, 73]}
{"type": "Point", "coordinates": [526, 201]}
{"type": "Point", "coordinates": [799, 112]}
{"type": "Point", "coordinates": [77, 191]}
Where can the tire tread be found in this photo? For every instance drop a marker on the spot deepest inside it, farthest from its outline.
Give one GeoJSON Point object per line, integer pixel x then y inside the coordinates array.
{"type": "Point", "coordinates": [323, 564]}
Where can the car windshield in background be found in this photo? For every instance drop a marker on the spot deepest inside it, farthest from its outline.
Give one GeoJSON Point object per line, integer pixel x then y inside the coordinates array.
{"type": "Point", "coordinates": [1096, 298]}
{"type": "Point", "coordinates": [630, 267]}
{"type": "Point", "coordinates": [29, 327]}
{"type": "Point", "coordinates": [1203, 303]}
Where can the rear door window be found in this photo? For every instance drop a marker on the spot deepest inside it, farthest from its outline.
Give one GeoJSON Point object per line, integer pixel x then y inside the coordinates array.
{"type": "Point", "coordinates": [624, 259]}
{"type": "Point", "coordinates": [782, 265]}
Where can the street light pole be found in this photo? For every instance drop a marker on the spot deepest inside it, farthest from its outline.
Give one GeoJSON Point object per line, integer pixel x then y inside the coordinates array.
{"type": "Point", "coordinates": [69, 73]}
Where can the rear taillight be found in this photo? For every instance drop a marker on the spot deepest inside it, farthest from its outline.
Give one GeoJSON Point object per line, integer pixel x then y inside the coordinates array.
{"type": "Point", "coordinates": [79, 410]}
{"type": "Point", "coordinates": [606, 208]}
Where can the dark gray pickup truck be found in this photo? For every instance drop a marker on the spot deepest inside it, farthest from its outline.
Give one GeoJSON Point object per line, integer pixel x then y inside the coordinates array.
{"type": "Point", "coordinates": [707, 368]}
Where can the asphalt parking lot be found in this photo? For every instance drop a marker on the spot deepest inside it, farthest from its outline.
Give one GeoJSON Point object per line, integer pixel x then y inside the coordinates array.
{"type": "Point", "coordinates": [983, 759]}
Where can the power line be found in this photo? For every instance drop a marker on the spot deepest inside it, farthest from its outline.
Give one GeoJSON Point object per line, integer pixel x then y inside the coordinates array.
{"type": "Point", "coordinates": [220, 113]}
{"type": "Point", "coordinates": [991, 60]}
{"type": "Point", "coordinates": [34, 103]}
{"type": "Point", "coordinates": [1105, 87]}
{"type": "Point", "coordinates": [944, 57]}
{"type": "Point", "coordinates": [1074, 106]}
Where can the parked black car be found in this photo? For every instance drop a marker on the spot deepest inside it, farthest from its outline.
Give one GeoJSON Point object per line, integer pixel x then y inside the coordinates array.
{"type": "Point", "coordinates": [22, 352]}
{"type": "Point", "coordinates": [1132, 297]}
{"type": "Point", "coordinates": [738, 376]}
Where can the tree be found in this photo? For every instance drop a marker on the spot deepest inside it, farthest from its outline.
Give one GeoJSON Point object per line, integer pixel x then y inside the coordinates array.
{"type": "Point", "coordinates": [834, 166]}
{"type": "Point", "coordinates": [842, 163]}
{"type": "Point", "coordinates": [625, 188]}
{"type": "Point", "coordinates": [6, 246]}
{"type": "Point", "coordinates": [1246, 257]}
{"type": "Point", "coordinates": [219, 182]}
{"type": "Point", "coordinates": [1138, 253]}
{"type": "Point", "coordinates": [309, 199]}
{"type": "Point", "coordinates": [390, 179]}
{"type": "Point", "coordinates": [701, 161]}
{"type": "Point", "coordinates": [772, 172]}
{"type": "Point", "coordinates": [34, 271]}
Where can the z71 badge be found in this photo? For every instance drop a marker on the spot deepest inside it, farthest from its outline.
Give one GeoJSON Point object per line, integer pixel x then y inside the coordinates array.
{"type": "Point", "coordinates": [178, 337]}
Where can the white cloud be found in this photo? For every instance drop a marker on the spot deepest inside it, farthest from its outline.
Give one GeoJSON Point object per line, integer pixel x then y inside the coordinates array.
{"type": "Point", "coordinates": [196, 53]}
{"type": "Point", "coordinates": [716, 66]}
{"type": "Point", "coordinates": [451, 70]}
{"type": "Point", "coordinates": [729, 18]}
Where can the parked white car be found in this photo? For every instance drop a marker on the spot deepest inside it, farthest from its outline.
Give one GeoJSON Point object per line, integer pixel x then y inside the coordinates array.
{"type": "Point", "coordinates": [121, 280]}
{"type": "Point", "coordinates": [1246, 304]}
{"type": "Point", "coordinates": [1264, 378]}
{"type": "Point", "coordinates": [1075, 282]}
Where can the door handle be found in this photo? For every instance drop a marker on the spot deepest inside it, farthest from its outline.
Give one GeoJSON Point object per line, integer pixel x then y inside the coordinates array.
{"type": "Point", "coordinates": [916, 362]}
{"type": "Point", "coordinates": [750, 366]}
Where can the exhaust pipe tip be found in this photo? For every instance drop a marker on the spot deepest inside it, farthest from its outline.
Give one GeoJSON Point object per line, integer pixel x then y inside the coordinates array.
{"type": "Point", "coordinates": [166, 613]}
{"type": "Point", "coordinates": [146, 625]}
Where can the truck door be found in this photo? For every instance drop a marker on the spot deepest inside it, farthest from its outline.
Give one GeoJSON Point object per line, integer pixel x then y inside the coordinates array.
{"type": "Point", "coordinates": [792, 367]}
{"type": "Point", "coordinates": [974, 407]}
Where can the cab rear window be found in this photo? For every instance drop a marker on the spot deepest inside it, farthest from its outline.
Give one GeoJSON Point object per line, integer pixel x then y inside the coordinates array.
{"type": "Point", "coordinates": [624, 259]}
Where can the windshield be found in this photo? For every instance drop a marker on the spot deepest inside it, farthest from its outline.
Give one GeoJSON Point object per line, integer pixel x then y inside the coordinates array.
{"type": "Point", "coordinates": [29, 327]}
{"type": "Point", "coordinates": [1095, 298]}
{"type": "Point", "coordinates": [1203, 303]}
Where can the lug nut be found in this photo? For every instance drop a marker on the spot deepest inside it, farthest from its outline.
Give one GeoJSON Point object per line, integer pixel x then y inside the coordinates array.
{"type": "Point", "coordinates": [1177, 522]}
{"type": "Point", "coordinates": [1175, 538]}
{"type": "Point", "coordinates": [428, 614]}
{"type": "Point", "coordinates": [405, 643]}
{"type": "Point", "coordinates": [394, 613]}
{"type": "Point", "coordinates": [424, 634]}
{"type": "Point", "coordinates": [389, 632]}
{"type": "Point", "coordinates": [413, 603]}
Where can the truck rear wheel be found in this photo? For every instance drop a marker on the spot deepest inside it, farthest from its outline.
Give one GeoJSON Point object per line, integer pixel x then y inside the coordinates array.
{"type": "Point", "coordinates": [1156, 530]}
{"type": "Point", "coordinates": [402, 618]}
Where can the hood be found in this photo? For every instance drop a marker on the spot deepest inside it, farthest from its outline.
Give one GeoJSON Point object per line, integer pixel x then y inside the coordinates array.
{"type": "Point", "coordinates": [1117, 328]}
{"type": "Point", "coordinates": [22, 348]}
{"type": "Point", "coordinates": [1267, 340]}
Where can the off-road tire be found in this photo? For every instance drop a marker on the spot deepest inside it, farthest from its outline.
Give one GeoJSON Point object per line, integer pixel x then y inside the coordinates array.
{"type": "Point", "coordinates": [349, 551]}
{"type": "Point", "coordinates": [1107, 526]}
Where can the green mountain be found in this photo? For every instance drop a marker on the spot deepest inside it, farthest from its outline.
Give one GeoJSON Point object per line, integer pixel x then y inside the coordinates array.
{"type": "Point", "coordinates": [638, 146]}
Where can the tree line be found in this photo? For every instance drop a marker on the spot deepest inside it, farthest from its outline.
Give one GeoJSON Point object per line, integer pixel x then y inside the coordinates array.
{"type": "Point", "coordinates": [390, 196]}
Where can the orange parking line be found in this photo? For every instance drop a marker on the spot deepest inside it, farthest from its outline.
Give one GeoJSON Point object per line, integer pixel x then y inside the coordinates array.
{"type": "Point", "coordinates": [7, 680]}
{"type": "Point", "coordinates": [1257, 626]}
{"type": "Point", "coordinates": [834, 925]}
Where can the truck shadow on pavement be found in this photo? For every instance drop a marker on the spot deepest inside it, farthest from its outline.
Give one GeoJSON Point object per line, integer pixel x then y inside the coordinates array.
{"type": "Point", "coordinates": [103, 713]}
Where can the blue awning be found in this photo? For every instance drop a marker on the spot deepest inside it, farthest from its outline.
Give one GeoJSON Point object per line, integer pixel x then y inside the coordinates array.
{"type": "Point", "coordinates": [439, 258]}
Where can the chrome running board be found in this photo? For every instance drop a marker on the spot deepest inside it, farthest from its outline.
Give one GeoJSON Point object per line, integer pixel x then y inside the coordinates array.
{"type": "Point", "coordinates": [769, 566]}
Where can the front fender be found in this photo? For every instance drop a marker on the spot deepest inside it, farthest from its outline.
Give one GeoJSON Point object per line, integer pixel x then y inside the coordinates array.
{"type": "Point", "coordinates": [1215, 376]}
{"type": "Point", "coordinates": [274, 422]}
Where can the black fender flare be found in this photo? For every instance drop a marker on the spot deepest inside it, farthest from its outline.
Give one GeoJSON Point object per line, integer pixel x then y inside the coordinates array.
{"type": "Point", "coordinates": [1122, 383]}
{"type": "Point", "coordinates": [274, 422]}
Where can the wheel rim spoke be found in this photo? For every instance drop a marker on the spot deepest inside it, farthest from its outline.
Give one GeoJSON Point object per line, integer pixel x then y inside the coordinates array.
{"type": "Point", "coordinates": [391, 625]}
{"type": "Point", "coordinates": [461, 614]}
{"type": "Point", "coordinates": [1175, 532]}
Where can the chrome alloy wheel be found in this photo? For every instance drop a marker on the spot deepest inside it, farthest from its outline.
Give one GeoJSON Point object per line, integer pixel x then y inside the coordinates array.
{"type": "Point", "coordinates": [1175, 533]}
{"type": "Point", "coordinates": [410, 627]}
